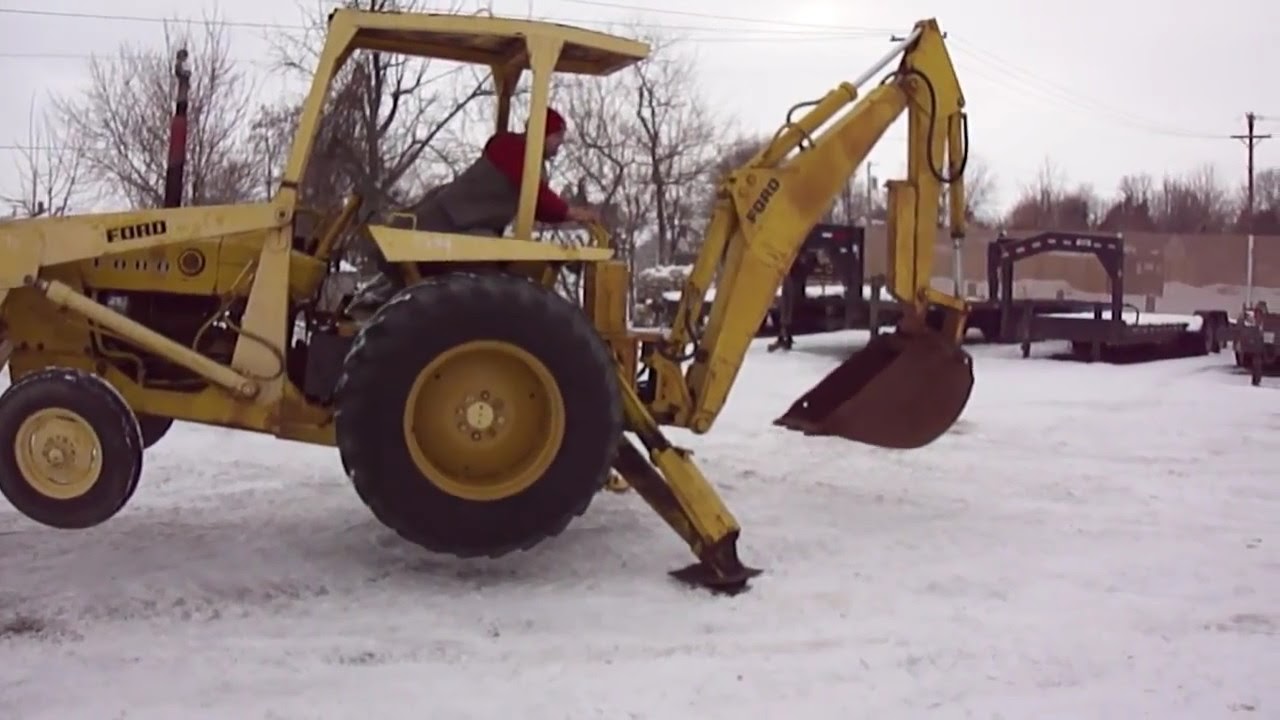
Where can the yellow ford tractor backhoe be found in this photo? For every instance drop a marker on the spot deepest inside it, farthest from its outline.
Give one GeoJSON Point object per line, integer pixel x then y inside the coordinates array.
{"type": "Point", "coordinates": [477, 411]}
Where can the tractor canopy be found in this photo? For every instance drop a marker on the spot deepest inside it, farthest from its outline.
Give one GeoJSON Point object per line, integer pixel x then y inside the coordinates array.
{"type": "Point", "coordinates": [499, 42]}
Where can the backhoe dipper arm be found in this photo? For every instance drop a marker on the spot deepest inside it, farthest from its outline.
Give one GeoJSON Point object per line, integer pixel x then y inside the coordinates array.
{"type": "Point", "coordinates": [765, 209]}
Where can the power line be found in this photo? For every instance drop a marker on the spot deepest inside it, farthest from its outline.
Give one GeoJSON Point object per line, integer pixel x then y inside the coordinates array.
{"type": "Point", "coordinates": [115, 56]}
{"type": "Point", "coordinates": [730, 18]}
{"type": "Point", "coordinates": [829, 32]}
{"type": "Point", "coordinates": [110, 55]}
{"type": "Point", "coordinates": [1074, 98]}
{"type": "Point", "coordinates": [145, 19]}
{"type": "Point", "coordinates": [1029, 81]}
{"type": "Point", "coordinates": [1035, 83]}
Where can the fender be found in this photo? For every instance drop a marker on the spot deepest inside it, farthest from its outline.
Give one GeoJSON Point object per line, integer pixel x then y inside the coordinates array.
{"type": "Point", "coordinates": [402, 245]}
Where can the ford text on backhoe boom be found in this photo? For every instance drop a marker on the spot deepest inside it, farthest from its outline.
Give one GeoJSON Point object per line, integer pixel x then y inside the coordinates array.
{"type": "Point", "coordinates": [478, 411]}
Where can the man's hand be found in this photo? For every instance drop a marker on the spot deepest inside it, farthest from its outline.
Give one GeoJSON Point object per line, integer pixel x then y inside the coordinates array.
{"type": "Point", "coordinates": [583, 214]}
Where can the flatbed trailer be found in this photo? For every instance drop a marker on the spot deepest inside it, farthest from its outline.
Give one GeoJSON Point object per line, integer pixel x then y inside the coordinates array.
{"type": "Point", "coordinates": [1132, 336]}
{"type": "Point", "coordinates": [1114, 330]}
{"type": "Point", "coordinates": [1000, 316]}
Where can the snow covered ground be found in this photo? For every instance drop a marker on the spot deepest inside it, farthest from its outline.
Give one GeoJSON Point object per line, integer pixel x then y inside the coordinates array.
{"type": "Point", "coordinates": [1091, 541]}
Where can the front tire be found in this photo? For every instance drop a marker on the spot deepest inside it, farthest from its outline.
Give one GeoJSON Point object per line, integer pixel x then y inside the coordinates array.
{"type": "Point", "coordinates": [478, 414]}
{"type": "Point", "coordinates": [70, 448]}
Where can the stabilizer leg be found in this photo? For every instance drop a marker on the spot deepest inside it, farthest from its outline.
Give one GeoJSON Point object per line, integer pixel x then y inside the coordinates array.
{"type": "Point", "coordinates": [673, 486]}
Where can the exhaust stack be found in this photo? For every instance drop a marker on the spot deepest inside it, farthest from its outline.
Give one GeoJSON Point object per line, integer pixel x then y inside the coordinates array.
{"type": "Point", "coordinates": [174, 173]}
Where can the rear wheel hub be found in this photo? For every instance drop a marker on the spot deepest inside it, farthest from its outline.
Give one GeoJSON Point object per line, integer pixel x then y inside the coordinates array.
{"type": "Point", "coordinates": [484, 420]}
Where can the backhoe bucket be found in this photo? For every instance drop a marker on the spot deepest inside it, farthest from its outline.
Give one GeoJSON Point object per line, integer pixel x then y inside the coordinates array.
{"type": "Point", "coordinates": [900, 391]}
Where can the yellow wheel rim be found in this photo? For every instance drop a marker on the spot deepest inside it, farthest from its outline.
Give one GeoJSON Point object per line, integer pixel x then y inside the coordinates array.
{"type": "Point", "coordinates": [484, 420]}
{"type": "Point", "coordinates": [58, 453]}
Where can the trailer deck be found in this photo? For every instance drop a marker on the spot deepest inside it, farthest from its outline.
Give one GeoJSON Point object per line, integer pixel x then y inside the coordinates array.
{"type": "Point", "coordinates": [1131, 337]}
{"type": "Point", "coordinates": [1114, 330]}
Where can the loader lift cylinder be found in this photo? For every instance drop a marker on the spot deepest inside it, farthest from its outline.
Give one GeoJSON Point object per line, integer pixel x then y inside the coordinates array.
{"type": "Point", "coordinates": [176, 167]}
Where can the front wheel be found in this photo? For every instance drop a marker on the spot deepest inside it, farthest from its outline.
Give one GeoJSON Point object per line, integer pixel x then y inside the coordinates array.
{"type": "Point", "coordinates": [70, 448]}
{"type": "Point", "coordinates": [478, 414]}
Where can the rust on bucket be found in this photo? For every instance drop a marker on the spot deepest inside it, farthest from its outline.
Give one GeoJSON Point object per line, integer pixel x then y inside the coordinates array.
{"type": "Point", "coordinates": [900, 391]}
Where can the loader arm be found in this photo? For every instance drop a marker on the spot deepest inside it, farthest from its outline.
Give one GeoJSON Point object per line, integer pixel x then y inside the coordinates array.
{"type": "Point", "coordinates": [765, 209]}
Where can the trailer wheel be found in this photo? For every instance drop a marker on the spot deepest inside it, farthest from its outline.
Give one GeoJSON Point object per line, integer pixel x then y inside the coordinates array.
{"type": "Point", "coordinates": [70, 448]}
{"type": "Point", "coordinates": [1210, 333]}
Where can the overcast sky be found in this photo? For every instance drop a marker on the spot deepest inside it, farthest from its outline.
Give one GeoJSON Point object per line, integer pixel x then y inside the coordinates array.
{"type": "Point", "coordinates": [1102, 87]}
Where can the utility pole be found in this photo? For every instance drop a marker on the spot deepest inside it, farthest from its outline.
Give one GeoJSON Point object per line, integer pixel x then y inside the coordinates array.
{"type": "Point", "coordinates": [871, 198]}
{"type": "Point", "coordinates": [1251, 140]}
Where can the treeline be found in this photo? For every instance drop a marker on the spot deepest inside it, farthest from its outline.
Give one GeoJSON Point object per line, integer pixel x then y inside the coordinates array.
{"type": "Point", "coordinates": [647, 145]}
{"type": "Point", "coordinates": [1199, 202]}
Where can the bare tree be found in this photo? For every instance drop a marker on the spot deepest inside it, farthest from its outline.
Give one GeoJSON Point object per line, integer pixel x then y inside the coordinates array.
{"type": "Point", "coordinates": [271, 135]}
{"type": "Point", "coordinates": [50, 168]}
{"type": "Point", "coordinates": [676, 134]}
{"type": "Point", "coordinates": [384, 131]}
{"type": "Point", "coordinates": [979, 192]}
{"type": "Point", "coordinates": [604, 158]}
{"type": "Point", "coordinates": [1133, 207]}
{"type": "Point", "coordinates": [1196, 202]}
{"type": "Point", "coordinates": [1047, 202]}
{"type": "Point", "coordinates": [642, 148]}
{"type": "Point", "coordinates": [124, 115]}
{"type": "Point", "coordinates": [1266, 204]}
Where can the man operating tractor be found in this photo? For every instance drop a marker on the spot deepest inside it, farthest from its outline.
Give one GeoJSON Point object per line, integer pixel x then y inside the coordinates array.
{"type": "Point", "coordinates": [483, 199]}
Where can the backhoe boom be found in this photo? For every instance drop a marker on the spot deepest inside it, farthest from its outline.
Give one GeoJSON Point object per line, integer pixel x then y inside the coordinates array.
{"type": "Point", "coordinates": [765, 209]}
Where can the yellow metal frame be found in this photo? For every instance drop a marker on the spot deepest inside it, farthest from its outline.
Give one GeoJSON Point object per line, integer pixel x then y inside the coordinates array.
{"type": "Point", "coordinates": [764, 210]}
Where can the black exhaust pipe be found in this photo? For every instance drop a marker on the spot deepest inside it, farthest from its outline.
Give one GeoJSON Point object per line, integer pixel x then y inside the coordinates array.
{"type": "Point", "coordinates": [174, 173]}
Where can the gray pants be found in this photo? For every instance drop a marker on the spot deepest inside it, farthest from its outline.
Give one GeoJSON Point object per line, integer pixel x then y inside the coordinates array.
{"type": "Point", "coordinates": [373, 292]}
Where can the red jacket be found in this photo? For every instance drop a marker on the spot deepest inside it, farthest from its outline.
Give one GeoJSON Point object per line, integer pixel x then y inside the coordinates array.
{"type": "Point", "coordinates": [506, 151]}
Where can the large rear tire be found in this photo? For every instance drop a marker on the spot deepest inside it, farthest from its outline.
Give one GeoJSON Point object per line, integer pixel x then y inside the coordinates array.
{"type": "Point", "coordinates": [478, 414]}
